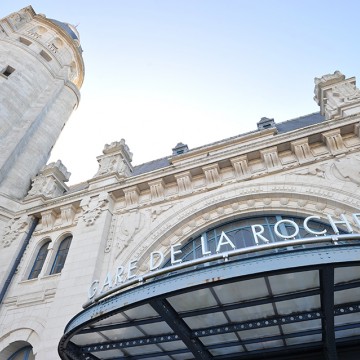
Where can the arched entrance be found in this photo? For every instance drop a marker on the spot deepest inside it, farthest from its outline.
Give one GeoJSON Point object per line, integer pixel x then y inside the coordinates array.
{"type": "Point", "coordinates": [292, 295]}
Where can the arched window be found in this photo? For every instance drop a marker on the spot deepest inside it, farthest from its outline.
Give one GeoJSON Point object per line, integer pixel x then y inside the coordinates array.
{"type": "Point", "coordinates": [240, 233]}
{"type": "Point", "coordinates": [24, 353]}
{"type": "Point", "coordinates": [61, 255]}
{"type": "Point", "coordinates": [39, 261]}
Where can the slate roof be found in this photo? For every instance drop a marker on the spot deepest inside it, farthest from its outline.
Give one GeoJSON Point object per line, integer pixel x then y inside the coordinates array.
{"type": "Point", "coordinates": [299, 122]}
{"type": "Point", "coordinates": [282, 127]}
{"type": "Point", "coordinates": [150, 166]}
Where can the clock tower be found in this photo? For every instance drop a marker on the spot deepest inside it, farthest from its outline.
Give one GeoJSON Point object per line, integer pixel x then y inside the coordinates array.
{"type": "Point", "coordinates": [41, 73]}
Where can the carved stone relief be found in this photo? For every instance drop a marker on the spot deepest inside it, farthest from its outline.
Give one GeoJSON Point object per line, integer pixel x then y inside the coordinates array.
{"type": "Point", "coordinates": [20, 18]}
{"type": "Point", "coordinates": [127, 227]}
{"type": "Point", "coordinates": [335, 95]}
{"type": "Point", "coordinates": [67, 214]}
{"type": "Point", "coordinates": [346, 92]}
{"type": "Point", "coordinates": [48, 219]}
{"type": "Point", "coordinates": [116, 159]}
{"type": "Point", "coordinates": [112, 164]}
{"type": "Point", "coordinates": [326, 79]}
{"type": "Point", "coordinates": [13, 229]}
{"type": "Point", "coordinates": [158, 210]}
{"type": "Point", "coordinates": [93, 207]}
{"type": "Point", "coordinates": [342, 168]}
{"type": "Point", "coordinates": [315, 170]}
{"type": "Point", "coordinates": [347, 169]}
{"type": "Point", "coordinates": [111, 234]}
{"type": "Point", "coordinates": [50, 182]}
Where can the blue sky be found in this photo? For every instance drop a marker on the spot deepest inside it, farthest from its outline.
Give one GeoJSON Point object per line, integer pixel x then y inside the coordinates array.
{"type": "Point", "coordinates": [159, 72]}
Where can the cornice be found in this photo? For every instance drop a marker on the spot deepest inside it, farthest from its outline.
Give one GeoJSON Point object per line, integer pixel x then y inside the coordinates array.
{"type": "Point", "coordinates": [265, 145]}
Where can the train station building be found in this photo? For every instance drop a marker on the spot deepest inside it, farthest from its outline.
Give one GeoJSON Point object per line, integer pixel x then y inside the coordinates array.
{"type": "Point", "coordinates": [245, 248]}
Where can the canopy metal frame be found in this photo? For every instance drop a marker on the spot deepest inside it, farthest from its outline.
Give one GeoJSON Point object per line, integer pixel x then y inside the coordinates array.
{"type": "Point", "coordinates": [320, 342]}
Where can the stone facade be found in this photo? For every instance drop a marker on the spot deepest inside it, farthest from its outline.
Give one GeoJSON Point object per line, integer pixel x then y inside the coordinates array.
{"type": "Point", "coordinates": [125, 212]}
{"type": "Point", "coordinates": [41, 72]}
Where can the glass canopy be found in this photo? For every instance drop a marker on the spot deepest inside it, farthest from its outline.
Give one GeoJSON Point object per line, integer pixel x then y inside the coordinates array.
{"type": "Point", "coordinates": [301, 303]}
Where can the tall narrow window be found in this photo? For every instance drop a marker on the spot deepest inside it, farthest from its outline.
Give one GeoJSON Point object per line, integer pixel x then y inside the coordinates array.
{"type": "Point", "coordinates": [61, 255]}
{"type": "Point", "coordinates": [39, 261]}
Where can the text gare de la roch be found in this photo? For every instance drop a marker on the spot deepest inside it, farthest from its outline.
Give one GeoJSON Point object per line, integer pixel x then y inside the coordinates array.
{"type": "Point", "coordinates": [124, 273]}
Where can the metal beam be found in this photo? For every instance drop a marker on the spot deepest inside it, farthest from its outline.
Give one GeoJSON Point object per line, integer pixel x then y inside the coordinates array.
{"type": "Point", "coordinates": [154, 355]}
{"type": "Point", "coordinates": [74, 353]}
{"type": "Point", "coordinates": [168, 313]}
{"type": "Point", "coordinates": [238, 305]}
{"type": "Point", "coordinates": [257, 323]}
{"type": "Point", "coordinates": [327, 307]}
{"type": "Point", "coordinates": [121, 325]}
{"type": "Point", "coordinates": [205, 311]}
{"type": "Point", "coordinates": [298, 352]}
{"type": "Point", "coordinates": [127, 343]}
{"type": "Point", "coordinates": [251, 303]}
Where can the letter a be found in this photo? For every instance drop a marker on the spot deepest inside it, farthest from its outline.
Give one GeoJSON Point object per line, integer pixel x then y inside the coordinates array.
{"type": "Point", "coordinates": [223, 242]}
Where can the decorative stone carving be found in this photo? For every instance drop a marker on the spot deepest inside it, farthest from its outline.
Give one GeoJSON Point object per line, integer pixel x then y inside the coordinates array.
{"type": "Point", "coordinates": [37, 31]}
{"type": "Point", "coordinates": [156, 211]}
{"type": "Point", "coordinates": [157, 190]}
{"type": "Point", "coordinates": [93, 207]}
{"type": "Point", "coordinates": [13, 229]}
{"type": "Point", "coordinates": [317, 170]}
{"type": "Point", "coordinates": [334, 141]}
{"type": "Point", "coordinates": [67, 214]}
{"type": "Point", "coordinates": [241, 167]}
{"type": "Point", "coordinates": [132, 195]}
{"type": "Point", "coordinates": [50, 182]}
{"type": "Point", "coordinates": [48, 219]}
{"type": "Point", "coordinates": [111, 234]}
{"type": "Point", "coordinates": [129, 225]}
{"type": "Point", "coordinates": [271, 158]}
{"type": "Point", "coordinates": [184, 183]}
{"type": "Point", "coordinates": [302, 151]}
{"type": "Point", "coordinates": [336, 95]}
{"type": "Point", "coordinates": [212, 175]}
{"type": "Point", "coordinates": [20, 18]}
{"type": "Point", "coordinates": [116, 160]}
{"type": "Point", "coordinates": [347, 169]}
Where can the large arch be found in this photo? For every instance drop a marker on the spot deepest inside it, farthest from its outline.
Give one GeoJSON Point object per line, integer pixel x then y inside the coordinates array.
{"type": "Point", "coordinates": [311, 292]}
{"type": "Point", "coordinates": [292, 198]}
